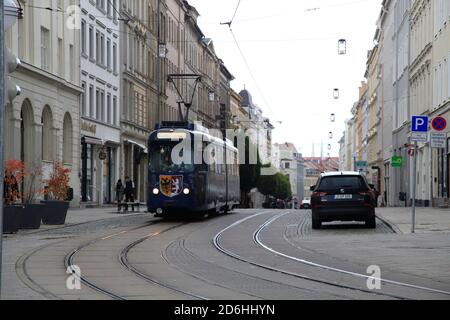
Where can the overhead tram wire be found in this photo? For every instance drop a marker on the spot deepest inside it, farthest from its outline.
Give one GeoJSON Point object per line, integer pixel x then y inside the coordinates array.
{"type": "Point", "coordinates": [252, 75]}
{"type": "Point", "coordinates": [188, 41]}
{"type": "Point", "coordinates": [235, 11]}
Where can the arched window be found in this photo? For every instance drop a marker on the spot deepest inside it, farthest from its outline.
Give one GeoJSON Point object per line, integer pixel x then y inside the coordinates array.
{"type": "Point", "coordinates": [9, 132]}
{"type": "Point", "coordinates": [47, 134]}
{"type": "Point", "coordinates": [26, 132]}
{"type": "Point", "coordinates": [67, 139]}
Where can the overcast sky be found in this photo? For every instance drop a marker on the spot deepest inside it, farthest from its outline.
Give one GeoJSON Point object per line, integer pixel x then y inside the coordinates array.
{"type": "Point", "coordinates": [291, 49]}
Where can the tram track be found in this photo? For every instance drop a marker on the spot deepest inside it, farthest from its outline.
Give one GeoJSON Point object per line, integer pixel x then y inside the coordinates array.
{"type": "Point", "coordinates": [23, 264]}
{"type": "Point", "coordinates": [69, 261]}
{"type": "Point", "coordinates": [180, 255]}
{"type": "Point", "coordinates": [257, 240]}
{"type": "Point", "coordinates": [123, 259]}
{"type": "Point", "coordinates": [23, 274]}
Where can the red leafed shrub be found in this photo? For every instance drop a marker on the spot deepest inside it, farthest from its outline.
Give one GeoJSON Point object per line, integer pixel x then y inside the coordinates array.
{"type": "Point", "coordinates": [58, 183]}
{"type": "Point", "coordinates": [14, 174]}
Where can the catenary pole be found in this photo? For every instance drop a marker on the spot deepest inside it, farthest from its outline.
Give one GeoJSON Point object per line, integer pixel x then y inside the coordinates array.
{"type": "Point", "coordinates": [158, 65]}
{"type": "Point", "coordinates": [2, 110]}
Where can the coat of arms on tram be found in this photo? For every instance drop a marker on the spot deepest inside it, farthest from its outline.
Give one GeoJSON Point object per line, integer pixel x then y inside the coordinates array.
{"type": "Point", "coordinates": [171, 186]}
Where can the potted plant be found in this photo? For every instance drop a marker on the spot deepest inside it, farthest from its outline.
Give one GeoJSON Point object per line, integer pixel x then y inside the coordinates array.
{"type": "Point", "coordinates": [56, 194]}
{"type": "Point", "coordinates": [31, 216]}
{"type": "Point", "coordinates": [11, 195]}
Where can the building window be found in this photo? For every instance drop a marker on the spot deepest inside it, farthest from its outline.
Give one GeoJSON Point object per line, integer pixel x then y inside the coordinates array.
{"type": "Point", "coordinates": [101, 5]}
{"type": "Point", "coordinates": [47, 136]}
{"type": "Point", "coordinates": [115, 111]}
{"type": "Point", "coordinates": [114, 58]}
{"type": "Point", "coordinates": [83, 98]}
{"type": "Point", "coordinates": [67, 139]}
{"type": "Point", "coordinates": [287, 165]}
{"type": "Point", "coordinates": [115, 10]}
{"type": "Point", "coordinates": [108, 107]}
{"type": "Point", "coordinates": [97, 45]}
{"type": "Point", "coordinates": [91, 43]}
{"type": "Point", "coordinates": [108, 54]}
{"type": "Point", "coordinates": [102, 49]}
{"type": "Point", "coordinates": [83, 36]}
{"type": "Point", "coordinates": [108, 8]}
{"type": "Point", "coordinates": [72, 63]}
{"type": "Point", "coordinates": [91, 101]}
{"type": "Point", "coordinates": [102, 106]}
{"type": "Point", "coordinates": [45, 49]}
{"type": "Point", "coordinates": [60, 57]}
{"type": "Point", "coordinates": [141, 110]}
{"type": "Point", "coordinates": [98, 104]}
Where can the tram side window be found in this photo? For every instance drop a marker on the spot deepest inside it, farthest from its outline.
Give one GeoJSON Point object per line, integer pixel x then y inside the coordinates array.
{"type": "Point", "coordinates": [209, 157]}
{"type": "Point", "coordinates": [199, 156]}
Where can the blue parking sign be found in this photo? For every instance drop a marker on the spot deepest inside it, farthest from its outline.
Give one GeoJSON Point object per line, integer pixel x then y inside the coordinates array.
{"type": "Point", "coordinates": [419, 124]}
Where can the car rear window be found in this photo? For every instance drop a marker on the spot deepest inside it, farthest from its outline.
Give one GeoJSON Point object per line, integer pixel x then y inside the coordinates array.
{"type": "Point", "coordinates": [339, 182]}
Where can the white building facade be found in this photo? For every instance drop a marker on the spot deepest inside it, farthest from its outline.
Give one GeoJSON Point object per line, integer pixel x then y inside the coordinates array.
{"type": "Point", "coordinates": [42, 124]}
{"type": "Point", "coordinates": [100, 101]}
{"type": "Point", "coordinates": [387, 65]}
{"type": "Point", "coordinates": [421, 87]}
{"type": "Point", "coordinates": [440, 184]}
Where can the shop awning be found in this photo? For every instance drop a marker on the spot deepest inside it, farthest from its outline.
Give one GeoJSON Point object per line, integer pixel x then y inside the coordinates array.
{"type": "Point", "coordinates": [91, 140]}
{"type": "Point", "coordinates": [144, 148]}
{"type": "Point", "coordinates": [110, 143]}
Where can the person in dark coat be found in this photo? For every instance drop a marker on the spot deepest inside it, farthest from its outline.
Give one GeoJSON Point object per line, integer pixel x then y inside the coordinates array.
{"type": "Point", "coordinates": [129, 190]}
{"type": "Point", "coordinates": [119, 192]}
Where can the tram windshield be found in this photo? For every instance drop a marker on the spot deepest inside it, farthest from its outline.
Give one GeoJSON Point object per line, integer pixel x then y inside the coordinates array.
{"type": "Point", "coordinates": [164, 159]}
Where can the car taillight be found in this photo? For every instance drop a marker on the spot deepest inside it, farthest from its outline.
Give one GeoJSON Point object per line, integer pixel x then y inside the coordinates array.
{"type": "Point", "coordinates": [319, 194]}
{"type": "Point", "coordinates": [367, 197]}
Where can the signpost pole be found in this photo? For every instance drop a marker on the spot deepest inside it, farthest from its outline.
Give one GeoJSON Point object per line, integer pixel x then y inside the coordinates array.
{"type": "Point", "coordinates": [419, 130]}
{"type": "Point", "coordinates": [413, 224]}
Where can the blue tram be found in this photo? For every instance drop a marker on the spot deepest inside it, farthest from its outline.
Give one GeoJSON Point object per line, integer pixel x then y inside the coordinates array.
{"type": "Point", "coordinates": [190, 171]}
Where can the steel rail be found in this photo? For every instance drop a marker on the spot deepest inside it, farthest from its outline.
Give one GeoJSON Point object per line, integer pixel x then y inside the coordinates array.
{"type": "Point", "coordinates": [258, 240]}
{"type": "Point", "coordinates": [220, 247]}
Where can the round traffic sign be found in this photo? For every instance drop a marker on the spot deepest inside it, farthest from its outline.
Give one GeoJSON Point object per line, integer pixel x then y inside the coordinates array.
{"type": "Point", "coordinates": [439, 124]}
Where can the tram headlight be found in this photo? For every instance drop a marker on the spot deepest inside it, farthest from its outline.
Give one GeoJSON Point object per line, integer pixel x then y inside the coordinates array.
{"type": "Point", "coordinates": [186, 191]}
{"type": "Point", "coordinates": [155, 191]}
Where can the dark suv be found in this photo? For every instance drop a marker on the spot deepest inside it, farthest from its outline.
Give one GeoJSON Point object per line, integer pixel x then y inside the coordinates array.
{"type": "Point", "coordinates": [342, 196]}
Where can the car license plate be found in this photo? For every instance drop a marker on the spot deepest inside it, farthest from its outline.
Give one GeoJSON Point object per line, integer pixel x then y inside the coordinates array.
{"type": "Point", "coordinates": [343, 196]}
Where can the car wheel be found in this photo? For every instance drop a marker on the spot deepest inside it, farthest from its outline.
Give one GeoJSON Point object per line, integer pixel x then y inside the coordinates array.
{"type": "Point", "coordinates": [371, 223]}
{"type": "Point", "coordinates": [316, 224]}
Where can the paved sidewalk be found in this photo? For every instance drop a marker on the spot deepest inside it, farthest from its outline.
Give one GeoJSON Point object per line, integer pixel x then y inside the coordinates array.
{"type": "Point", "coordinates": [84, 215]}
{"type": "Point", "coordinates": [428, 220]}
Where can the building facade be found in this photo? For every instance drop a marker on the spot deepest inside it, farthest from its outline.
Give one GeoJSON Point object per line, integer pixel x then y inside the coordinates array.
{"type": "Point", "coordinates": [440, 184]}
{"type": "Point", "coordinates": [375, 163]}
{"type": "Point", "coordinates": [421, 87]}
{"type": "Point", "coordinates": [408, 74]}
{"type": "Point", "coordinates": [289, 158]}
{"type": "Point", "coordinates": [137, 41]}
{"type": "Point", "coordinates": [100, 101]}
{"type": "Point", "coordinates": [313, 167]}
{"type": "Point", "coordinates": [400, 112]}
{"type": "Point", "coordinates": [42, 124]}
{"type": "Point", "coordinates": [386, 69]}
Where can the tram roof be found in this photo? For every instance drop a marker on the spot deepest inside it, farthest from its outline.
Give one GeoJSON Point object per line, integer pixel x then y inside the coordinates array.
{"type": "Point", "coordinates": [206, 135]}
